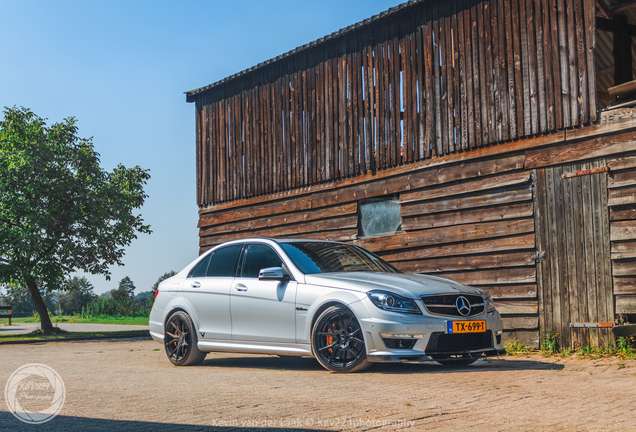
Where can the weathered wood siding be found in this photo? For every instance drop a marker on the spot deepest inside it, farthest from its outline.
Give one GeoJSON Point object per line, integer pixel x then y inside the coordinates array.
{"type": "Point", "coordinates": [622, 208]}
{"type": "Point", "coordinates": [472, 223]}
{"type": "Point", "coordinates": [432, 78]}
{"type": "Point", "coordinates": [574, 279]}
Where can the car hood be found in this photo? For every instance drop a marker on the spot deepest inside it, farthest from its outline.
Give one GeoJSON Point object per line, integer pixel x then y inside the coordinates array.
{"type": "Point", "coordinates": [407, 285]}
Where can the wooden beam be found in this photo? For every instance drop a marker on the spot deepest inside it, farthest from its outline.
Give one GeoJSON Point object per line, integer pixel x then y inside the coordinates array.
{"type": "Point", "coordinates": [610, 25]}
{"type": "Point", "coordinates": [604, 8]}
{"type": "Point", "coordinates": [623, 7]}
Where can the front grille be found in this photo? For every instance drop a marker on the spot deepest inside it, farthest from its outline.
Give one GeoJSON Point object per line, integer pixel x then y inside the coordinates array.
{"type": "Point", "coordinates": [440, 342]}
{"type": "Point", "coordinates": [447, 304]}
{"type": "Point", "coordinates": [399, 343]}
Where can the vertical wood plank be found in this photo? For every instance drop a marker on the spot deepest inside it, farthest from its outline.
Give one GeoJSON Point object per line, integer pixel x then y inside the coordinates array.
{"type": "Point", "coordinates": [478, 88]}
{"type": "Point", "coordinates": [589, 11]}
{"type": "Point", "coordinates": [572, 53]}
{"type": "Point", "coordinates": [563, 63]}
{"type": "Point", "coordinates": [540, 66]}
{"type": "Point", "coordinates": [503, 69]}
{"type": "Point", "coordinates": [532, 66]}
{"type": "Point", "coordinates": [463, 76]}
{"type": "Point", "coordinates": [583, 105]}
{"type": "Point", "coordinates": [483, 72]}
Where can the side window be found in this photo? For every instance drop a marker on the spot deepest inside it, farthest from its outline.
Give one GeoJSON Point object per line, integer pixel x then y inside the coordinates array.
{"type": "Point", "coordinates": [200, 269]}
{"type": "Point", "coordinates": [223, 261]}
{"type": "Point", "coordinates": [258, 257]}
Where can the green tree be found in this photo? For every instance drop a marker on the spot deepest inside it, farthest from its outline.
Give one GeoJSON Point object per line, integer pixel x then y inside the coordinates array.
{"type": "Point", "coordinates": [59, 211]}
{"type": "Point", "coordinates": [127, 285]}
{"type": "Point", "coordinates": [21, 301]}
{"type": "Point", "coordinates": [163, 277]}
{"type": "Point", "coordinates": [79, 292]}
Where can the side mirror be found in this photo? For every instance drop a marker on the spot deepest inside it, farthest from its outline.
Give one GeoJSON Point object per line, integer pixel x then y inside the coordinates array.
{"type": "Point", "coordinates": [272, 274]}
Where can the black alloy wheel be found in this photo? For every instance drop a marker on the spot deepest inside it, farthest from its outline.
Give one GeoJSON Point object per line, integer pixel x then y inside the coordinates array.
{"type": "Point", "coordinates": [338, 342]}
{"type": "Point", "coordinates": [180, 340]}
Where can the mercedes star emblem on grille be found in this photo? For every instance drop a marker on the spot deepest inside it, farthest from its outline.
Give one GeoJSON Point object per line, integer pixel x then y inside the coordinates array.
{"type": "Point", "coordinates": [463, 306]}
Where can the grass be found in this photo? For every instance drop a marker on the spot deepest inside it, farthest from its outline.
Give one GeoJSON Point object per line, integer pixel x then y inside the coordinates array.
{"type": "Point", "coordinates": [624, 348]}
{"type": "Point", "coordinates": [77, 319]}
{"type": "Point", "coordinates": [37, 336]}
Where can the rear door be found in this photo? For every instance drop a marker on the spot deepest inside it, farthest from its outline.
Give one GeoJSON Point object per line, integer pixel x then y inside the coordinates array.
{"type": "Point", "coordinates": [262, 310]}
{"type": "Point", "coordinates": [207, 290]}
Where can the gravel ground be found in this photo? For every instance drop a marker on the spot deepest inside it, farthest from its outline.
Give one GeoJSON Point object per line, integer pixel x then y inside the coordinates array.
{"type": "Point", "coordinates": [127, 385]}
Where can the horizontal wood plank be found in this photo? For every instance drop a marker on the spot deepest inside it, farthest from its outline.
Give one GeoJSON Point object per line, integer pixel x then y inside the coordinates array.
{"type": "Point", "coordinates": [622, 196]}
{"type": "Point", "coordinates": [624, 268]}
{"type": "Point", "coordinates": [621, 250]}
{"type": "Point", "coordinates": [589, 149]}
{"type": "Point", "coordinates": [625, 285]}
{"type": "Point", "coordinates": [624, 213]}
{"type": "Point", "coordinates": [624, 230]}
{"type": "Point", "coordinates": [490, 199]}
{"type": "Point", "coordinates": [493, 277]}
{"type": "Point", "coordinates": [622, 163]}
{"type": "Point", "coordinates": [621, 179]}
{"type": "Point", "coordinates": [296, 230]}
{"type": "Point", "coordinates": [363, 190]}
{"type": "Point", "coordinates": [467, 187]}
{"type": "Point", "coordinates": [472, 262]}
{"type": "Point", "coordinates": [511, 291]}
{"type": "Point", "coordinates": [517, 307]}
{"type": "Point", "coordinates": [460, 233]}
{"type": "Point", "coordinates": [468, 216]}
{"type": "Point", "coordinates": [515, 243]}
{"type": "Point", "coordinates": [625, 304]}
{"type": "Point", "coordinates": [521, 323]}
{"type": "Point", "coordinates": [284, 219]}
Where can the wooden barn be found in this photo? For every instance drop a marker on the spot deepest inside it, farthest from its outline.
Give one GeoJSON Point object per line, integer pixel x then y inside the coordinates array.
{"type": "Point", "coordinates": [492, 142]}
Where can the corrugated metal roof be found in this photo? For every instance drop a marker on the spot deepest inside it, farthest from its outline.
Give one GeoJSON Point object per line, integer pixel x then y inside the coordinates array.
{"type": "Point", "coordinates": [332, 36]}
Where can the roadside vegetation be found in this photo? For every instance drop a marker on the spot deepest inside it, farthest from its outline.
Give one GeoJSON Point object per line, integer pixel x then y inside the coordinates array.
{"type": "Point", "coordinates": [624, 348]}
{"type": "Point", "coordinates": [79, 304]}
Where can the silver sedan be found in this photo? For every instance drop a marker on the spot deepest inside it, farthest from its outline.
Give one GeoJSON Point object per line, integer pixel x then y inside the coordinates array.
{"type": "Point", "coordinates": [337, 302]}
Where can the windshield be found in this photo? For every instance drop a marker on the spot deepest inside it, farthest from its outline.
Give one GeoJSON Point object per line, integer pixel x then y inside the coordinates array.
{"type": "Point", "coordinates": [319, 257]}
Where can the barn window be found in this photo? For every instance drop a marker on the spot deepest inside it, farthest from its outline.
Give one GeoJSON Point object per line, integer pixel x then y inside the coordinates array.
{"type": "Point", "coordinates": [379, 216]}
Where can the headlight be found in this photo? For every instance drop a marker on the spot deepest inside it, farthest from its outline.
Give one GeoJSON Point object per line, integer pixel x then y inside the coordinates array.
{"type": "Point", "coordinates": [393, 302]}
{"type": "Point", "coordinates": [490, 304]}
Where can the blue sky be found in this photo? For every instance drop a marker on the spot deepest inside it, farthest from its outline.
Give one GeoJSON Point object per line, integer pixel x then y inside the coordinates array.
{"type": "Point", "coordinates": [121, 67]}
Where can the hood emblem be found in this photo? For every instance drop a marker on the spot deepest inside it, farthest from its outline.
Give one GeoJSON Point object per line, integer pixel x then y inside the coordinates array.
{"type": "Point", "coordinates": [463, 306]}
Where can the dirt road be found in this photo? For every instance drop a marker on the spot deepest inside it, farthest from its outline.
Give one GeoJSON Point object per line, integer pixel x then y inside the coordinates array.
{"type": "Point", "coordinates": [127, 385]}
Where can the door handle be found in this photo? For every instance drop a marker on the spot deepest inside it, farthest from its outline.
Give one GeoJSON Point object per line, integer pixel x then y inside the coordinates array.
{"type": "Point", "coordinates": [195, 285]}
{"type": "Point", "coordinates": [241, 288]}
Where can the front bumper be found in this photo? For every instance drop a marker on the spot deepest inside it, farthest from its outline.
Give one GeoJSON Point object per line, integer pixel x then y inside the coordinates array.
{"type": "Point", "coordinates": [382, 329]}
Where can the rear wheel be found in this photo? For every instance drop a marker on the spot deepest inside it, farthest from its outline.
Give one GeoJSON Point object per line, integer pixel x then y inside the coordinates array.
{"type": "Point", "coordinates": [180, 340]}
{"type": "Point", "coordinates": [338, 342]}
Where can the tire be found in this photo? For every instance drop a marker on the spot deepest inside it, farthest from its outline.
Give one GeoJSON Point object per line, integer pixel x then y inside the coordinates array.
{"type": "Point", "coordinates": [346, 352]}
{"type": "Point", "coordinates": [181, 344]}
{"type": "Point", "coordinates": [457, 363]}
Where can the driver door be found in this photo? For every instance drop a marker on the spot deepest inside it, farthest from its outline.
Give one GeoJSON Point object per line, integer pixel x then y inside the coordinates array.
{"type": "Point", "coordinates": [262, 310]}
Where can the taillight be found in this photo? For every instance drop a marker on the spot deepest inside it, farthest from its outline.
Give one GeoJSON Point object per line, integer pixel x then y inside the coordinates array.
{"type": "Point", "coordinates": [156, 292]}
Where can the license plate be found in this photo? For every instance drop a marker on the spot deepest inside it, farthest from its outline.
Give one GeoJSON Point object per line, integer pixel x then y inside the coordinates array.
{"type": "Point", "coordinates": [466, 326]}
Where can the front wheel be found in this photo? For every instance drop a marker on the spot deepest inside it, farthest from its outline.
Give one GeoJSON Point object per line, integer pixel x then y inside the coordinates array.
{"type": "Point", "coordinates": [337, 341]}
{"type": "Point", "coordinates": [180, 340]}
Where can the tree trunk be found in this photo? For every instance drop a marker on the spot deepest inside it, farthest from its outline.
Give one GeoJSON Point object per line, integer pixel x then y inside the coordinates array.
{"type": "Point", "coordinates": [45, 321]}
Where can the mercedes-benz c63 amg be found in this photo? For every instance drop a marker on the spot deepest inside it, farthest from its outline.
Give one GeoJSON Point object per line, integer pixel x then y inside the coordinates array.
{"type": "Point", "coordinates": [337, 302]}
